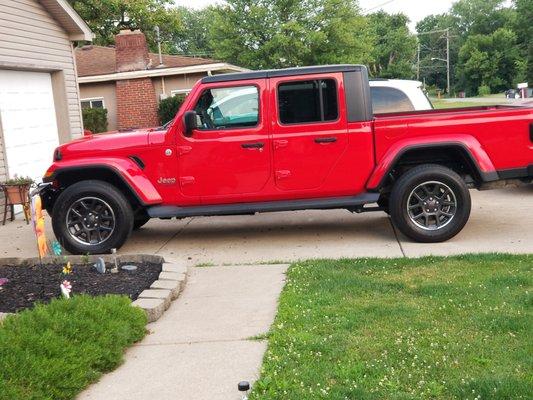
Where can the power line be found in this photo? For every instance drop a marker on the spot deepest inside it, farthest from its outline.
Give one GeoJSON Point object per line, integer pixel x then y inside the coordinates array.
{"type": "Point", "coordinates": [378, 6]}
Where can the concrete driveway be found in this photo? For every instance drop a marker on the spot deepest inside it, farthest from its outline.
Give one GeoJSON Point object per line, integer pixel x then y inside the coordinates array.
{"type": "Point", "coordinates": [501, 221]}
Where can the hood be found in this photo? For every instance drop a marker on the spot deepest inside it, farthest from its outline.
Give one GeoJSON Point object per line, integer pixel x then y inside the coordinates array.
{"type": "Point", "coordinates": [104, 143]}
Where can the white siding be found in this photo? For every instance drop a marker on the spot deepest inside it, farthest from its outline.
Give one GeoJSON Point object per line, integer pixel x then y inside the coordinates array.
{"type": "Point", "coordinates": [30, 36]}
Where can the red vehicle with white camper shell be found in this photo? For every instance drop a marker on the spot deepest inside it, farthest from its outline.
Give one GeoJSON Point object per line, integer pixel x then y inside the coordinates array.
{"type": "Point", "coordinates": [280, 140]}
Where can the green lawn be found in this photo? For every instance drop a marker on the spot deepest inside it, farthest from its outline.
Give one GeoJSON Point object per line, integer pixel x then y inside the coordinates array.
{"type": "Point", "coordinates": [430, 328]}
{"type": "Point", "coordinates": [54, 351]}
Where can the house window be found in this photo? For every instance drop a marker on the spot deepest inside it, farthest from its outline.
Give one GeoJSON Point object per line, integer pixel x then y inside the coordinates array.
{"type": "Point", "coordinates": [308, 101]}
{"type": "Point", "coordinates": [93, 103]}
{"type": "Point", "coordinates": [177, 92]}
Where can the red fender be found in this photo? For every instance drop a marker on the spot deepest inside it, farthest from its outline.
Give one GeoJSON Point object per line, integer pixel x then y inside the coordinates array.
{"type": "Point", "coordinates": [468, 142]}
{"type": "Point", "coordinates": [124, 168]}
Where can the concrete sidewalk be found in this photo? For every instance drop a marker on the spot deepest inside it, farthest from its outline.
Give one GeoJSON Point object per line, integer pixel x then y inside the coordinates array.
{"type": "Point", "coordinates": [501, 221]}
{"type": "Point", "coordinates": [200, 348]}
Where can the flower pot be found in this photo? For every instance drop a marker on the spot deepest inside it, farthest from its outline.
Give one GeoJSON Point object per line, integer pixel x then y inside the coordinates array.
{"type": "Point", "coordinates": [17, 194]}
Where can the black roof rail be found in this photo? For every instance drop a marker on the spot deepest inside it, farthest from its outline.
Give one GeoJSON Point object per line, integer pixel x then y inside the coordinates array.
{"type": "Point", "coordinates": [274, 73]}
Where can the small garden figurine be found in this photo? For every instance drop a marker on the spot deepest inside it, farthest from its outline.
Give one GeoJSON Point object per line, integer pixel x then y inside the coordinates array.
{"type": "Point", "coordinates": [3, 281]}
{"type": "Point", "coordinates": [66, 288]}
{"type": "Point", "coordinates": [100, 265]}
{"type": "Point", "coordinates": [56, 248]}
{"type": "Point", "coordinates": [67, 269]}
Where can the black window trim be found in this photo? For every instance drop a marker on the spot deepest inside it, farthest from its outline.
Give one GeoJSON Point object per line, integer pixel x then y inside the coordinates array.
{"type": "Point", "coordinates": [321, 95]}
{"type": "Point", "coordinates": [244, 84]}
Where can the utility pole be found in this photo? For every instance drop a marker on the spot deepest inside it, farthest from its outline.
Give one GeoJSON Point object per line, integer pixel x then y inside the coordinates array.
{"type": "Point", "coordinates": [418, 62]}
{"type": "Point", "coordinates": [448, 60]}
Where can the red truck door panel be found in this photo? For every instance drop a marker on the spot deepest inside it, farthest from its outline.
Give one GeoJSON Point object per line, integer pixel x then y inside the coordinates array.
{"type": "Point", "coordinates": [309, 132]}
{"type": "Point", "coordinates": [230, 152]}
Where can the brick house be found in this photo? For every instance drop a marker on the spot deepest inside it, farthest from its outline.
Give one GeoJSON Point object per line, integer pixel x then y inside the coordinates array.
{"type": "Point", "coordinates": [129, 81]}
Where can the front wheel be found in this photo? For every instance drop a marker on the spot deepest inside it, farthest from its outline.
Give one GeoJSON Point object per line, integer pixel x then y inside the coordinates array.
{"type": "Point", "coordinates": [92, 217]}
{"type": "Point", "coordinates": [430, 203]}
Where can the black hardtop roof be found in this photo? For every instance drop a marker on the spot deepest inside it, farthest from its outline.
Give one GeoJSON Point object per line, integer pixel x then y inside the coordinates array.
{"type": "Point", "coordinates": [273, 73]}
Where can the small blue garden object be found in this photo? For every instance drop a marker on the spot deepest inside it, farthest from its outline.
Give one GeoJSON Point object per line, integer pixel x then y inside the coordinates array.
{"type": "Point", "coordinates": [100, 265]}
{"type": "Point", "coordinates": [129, 268]}
{"type": "Point", "coordinates": [56, 248]}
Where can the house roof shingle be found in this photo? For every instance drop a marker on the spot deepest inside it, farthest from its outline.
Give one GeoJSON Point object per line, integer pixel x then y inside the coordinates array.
{"type": "Point", "coordinates": [97, 60]}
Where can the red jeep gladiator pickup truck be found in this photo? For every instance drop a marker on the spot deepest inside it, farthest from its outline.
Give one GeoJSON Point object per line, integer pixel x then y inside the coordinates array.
{"type": "Point", "coordinates": [279, 140]}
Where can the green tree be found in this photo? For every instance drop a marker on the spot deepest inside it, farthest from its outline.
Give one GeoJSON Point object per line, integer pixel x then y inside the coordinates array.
{"type": "Point", "coordinates": [193, 38]}
{"type": "Point", "coordinates": [488, 60]}
{"type": "Point", "coordinates": [103, 17]}
{"type": "Point", "coordinates": [284, 33]}
{"type": "Point", "coordinates": [394, 48]}
{"type": "Point", "coordinates": [481, 16]}
{"type": "Point", "coordinates": [524, 30]}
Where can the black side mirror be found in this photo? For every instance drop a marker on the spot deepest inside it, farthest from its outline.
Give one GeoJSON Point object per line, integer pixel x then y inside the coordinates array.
{"type": "Point", "coordinates": [190, 122]}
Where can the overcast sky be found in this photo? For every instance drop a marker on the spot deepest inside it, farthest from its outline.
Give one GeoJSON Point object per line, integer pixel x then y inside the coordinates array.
{"type": "Point", "coordinates": [415, 9]}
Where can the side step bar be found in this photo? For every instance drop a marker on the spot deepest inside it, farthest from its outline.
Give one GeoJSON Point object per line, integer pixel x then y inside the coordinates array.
{"type": "Point", "coordinates": [261, 207]}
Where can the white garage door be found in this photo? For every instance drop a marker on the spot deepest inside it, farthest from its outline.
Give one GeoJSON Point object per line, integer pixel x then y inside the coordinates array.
{"type": "Point", "coordinates": [28, 120]}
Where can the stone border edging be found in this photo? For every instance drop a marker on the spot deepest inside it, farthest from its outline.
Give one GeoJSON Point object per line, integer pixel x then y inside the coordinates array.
{"type": "Point", "coordinates": [154, 301]}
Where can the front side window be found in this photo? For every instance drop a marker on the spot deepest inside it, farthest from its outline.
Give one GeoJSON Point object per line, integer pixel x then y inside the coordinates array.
{"type": "Point", "coordinates": [226, 108]}
{"type": "Point", "coordinates": [389, 100]}
{"type": "Point", "coordinates": [308, 101]}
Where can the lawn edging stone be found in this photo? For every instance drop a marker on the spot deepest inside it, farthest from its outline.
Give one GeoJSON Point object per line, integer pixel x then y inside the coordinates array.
{"type": "Point", "coordinates": [155, 300]}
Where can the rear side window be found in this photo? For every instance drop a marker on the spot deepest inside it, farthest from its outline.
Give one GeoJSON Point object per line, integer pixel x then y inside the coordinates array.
{"type": "Point", "coordinates": [389, 100]}
{"type": "Point", "coordinates": [308, 101]}
{"type": "Point", "coordinates": [227, 108]}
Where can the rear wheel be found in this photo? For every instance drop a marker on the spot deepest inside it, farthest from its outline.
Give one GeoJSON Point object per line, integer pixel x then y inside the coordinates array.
{"type": "Point", "coordinates": [92, 217]}
{"type": "Point", "coordinates": [430, 203]}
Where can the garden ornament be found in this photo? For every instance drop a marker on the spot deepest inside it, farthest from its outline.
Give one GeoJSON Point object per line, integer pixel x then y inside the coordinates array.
{"type": "Point", "coordinates": [56, 248]}
{"type": "Point", "coordinates": [100, 265]}
{"type": "Point", "coordinates": [114, 270]}
{"type": "Point", "coordinates": [67, 269]}
{"type": "Point", "coordinates": [66, 288]}
{"type": "Point", "coordinates": [3, 281]}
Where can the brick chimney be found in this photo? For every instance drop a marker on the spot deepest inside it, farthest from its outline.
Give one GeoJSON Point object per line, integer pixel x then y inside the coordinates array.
{"type": "Point", "coordinates": [132, 51]}
{"type": "Point", "coordinates": [136, 97]}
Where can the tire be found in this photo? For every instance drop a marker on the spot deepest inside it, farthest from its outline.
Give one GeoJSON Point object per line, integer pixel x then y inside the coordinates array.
{"type": "Point", "coordinates": [92, 217]}
{"type": "Point", "coordinates": [140, 220]}
{"type": "Point", "coordinates": [421, 203]}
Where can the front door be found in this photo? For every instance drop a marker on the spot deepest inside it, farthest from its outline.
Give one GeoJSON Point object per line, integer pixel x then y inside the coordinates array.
{"type": "Point", "coordinates": [309, 131]}
{"type": "Point", "coordinates": [229, 155]}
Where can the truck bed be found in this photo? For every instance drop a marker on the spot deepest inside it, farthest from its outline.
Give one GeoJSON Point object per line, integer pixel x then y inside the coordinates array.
{"type": "Point", "coordinates": [504, 132]}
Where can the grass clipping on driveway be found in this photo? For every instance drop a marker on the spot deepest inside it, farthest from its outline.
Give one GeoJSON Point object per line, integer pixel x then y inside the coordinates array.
{"type": "Point", "coordinates": [430, 328]}
{"type": "Point", "coordinates": [54, 351]}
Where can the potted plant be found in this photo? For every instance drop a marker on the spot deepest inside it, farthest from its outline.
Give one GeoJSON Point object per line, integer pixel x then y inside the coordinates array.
{"type": "Point", "coordinates": [17, 189]}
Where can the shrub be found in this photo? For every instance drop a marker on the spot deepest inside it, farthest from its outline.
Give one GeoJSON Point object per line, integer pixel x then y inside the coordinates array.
{"type": "Point", "coordinates": [483, 90]}
{"type": "Point", "coordinates": [95, 119]}
{"type": "Point", "coordinates": [169, 107]}
{"type": "Point", "coordinates": [56, 350]}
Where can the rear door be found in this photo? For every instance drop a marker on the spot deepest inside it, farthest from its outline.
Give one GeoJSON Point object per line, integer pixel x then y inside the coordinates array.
{"type": "Point", "coordinates": [309, 129]}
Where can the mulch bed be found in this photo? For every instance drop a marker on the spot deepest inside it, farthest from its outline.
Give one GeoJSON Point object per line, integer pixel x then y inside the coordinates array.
{"type": "Point", "coordinates": [28, 285]}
